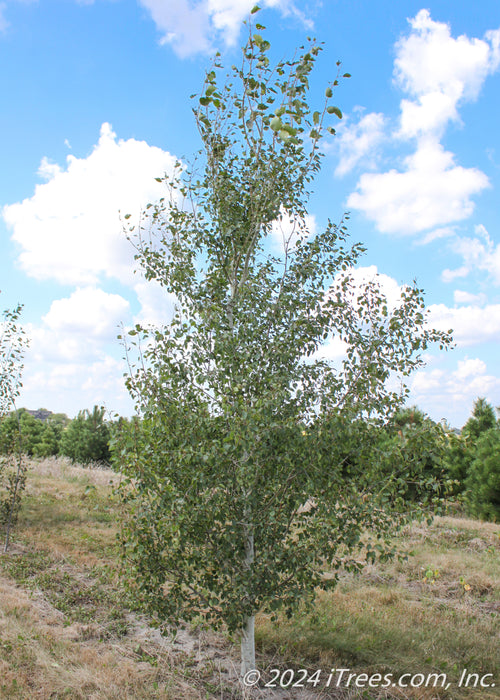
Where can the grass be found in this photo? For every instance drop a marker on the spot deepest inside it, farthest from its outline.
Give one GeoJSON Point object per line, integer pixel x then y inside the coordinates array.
{"type": "Point", "coordinates": [68, 631]}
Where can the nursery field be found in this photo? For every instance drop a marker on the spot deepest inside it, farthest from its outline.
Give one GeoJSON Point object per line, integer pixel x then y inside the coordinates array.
{"type": "Point", "coordinates": [426, 627]}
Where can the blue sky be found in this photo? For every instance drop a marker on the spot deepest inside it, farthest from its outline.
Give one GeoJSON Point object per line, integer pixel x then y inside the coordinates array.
{"type": "Point", "coordinates": [95, 105]}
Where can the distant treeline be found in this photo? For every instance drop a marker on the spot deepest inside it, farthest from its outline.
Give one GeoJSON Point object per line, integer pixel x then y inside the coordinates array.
{"type": "Point", "coordinates": [41, 433]}
{"type": "Point", "coordinates": [465, 464]}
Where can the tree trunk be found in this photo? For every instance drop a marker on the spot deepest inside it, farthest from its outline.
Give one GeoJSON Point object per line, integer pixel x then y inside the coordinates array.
{"type": "Point", "coordinates": [248, 646]}
{"type": "Point", "coordinates": [247, 631]}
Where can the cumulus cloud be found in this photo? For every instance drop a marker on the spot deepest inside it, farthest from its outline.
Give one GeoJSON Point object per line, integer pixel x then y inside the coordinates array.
{"type": "Point", "coordinates": [70, 354]}
{"type": "Point", "coordinates": [70, 229]}
{"type": "Point", "coordinates": [478, 253]}
{"type": "Point", "coordinates": [445, 392]}
{"type": "Point", "coordinates": [192, 27]}
{"type": "Point", "coordinates": [432, 191]}
{"type": "Point", "coordinates": [450, 275]}
{"type": "Point", "coordinates": [388, 285]}
{"type": "Point", "coordinates": [73, 386]}
{"type": "Point", "coordinates": [78, 328]}
{"type": "Point", "coordinates": [471, 324]}
{"type": "Point", "coordinates": [359, 142]}
{"type": "Point", "coordinates": [89, 312]}
{"type": "Point", "coordinates": [437, 73]}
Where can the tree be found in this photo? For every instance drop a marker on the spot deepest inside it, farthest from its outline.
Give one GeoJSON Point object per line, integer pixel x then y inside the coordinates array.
{"type": "Point", "coordinates": [86, 439]}
{"type": "Point", "coordinates": [482, 419]}
{"type": "Point", "coordinates": [483, 480]}
{"type": "Point", "coordinates": [238, 498]}
{"type": "Point", "coordinates": [13, 343]}
{"type": "Point", "coordinates": [462, 448]}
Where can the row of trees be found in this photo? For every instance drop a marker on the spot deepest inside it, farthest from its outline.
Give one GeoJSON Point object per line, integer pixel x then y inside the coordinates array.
{"type": "Point", "coordinates": [465, 463]}
{"type": "Point", "coordinates": [84, 439]}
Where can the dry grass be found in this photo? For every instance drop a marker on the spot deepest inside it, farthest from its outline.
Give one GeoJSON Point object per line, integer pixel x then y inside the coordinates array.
{"type": "Point", "coordinates": [67, 631]}
{"type": "Point", "coordinates": [436, 612]}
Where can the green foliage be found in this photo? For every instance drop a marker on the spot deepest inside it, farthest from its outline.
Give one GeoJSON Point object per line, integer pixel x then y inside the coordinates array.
{"type": "Point", "coordinates": [239, 495]}
{"type": "Point", "coordinates": [482, 419]}
{"type": "Point", "coordinates": [483, 479]}
{"type": "Point", "coordinates": [413, 452]}
{"type": "Point", "coordinates": [458, 459]}
{"type": "Point", "coordinates": [39, 438]}
{"type": "Point", "coordinates": [12, 346]}
{"type": "Point", "coordinates": [462, 450]}
{"type": "Point", "coordinates": [13, 343]}
{"type": "Point", "coordinates": [86, 439]}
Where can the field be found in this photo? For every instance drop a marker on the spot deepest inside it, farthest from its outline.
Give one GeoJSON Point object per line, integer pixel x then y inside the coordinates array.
{"type": "Point", "coordinates": [68, 631]}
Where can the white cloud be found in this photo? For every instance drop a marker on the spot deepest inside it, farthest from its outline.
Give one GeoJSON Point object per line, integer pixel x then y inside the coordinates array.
{"type": "Point", "coordinates": [335, 349]}
{"type": "Point", "coordinates": [185, 27]}
{"type": "Point", "coordinates": [69, 361]}
{"type": "Point", "coordinates": [479, 253]}
{"type": "Point", "coordinates": [192, 27]}
{"type": "Point", "coordinates": [469, 368]}
{"type": "Point", "coordinates": [89, 313]}
{"type": "Point", "coordinates": [359, 142]}
{"type": "Point", "coordinates": [70, 229]}
{"type": "Point", "coordinates": [460, 297]}
{"type": "Point", "coordinates": [432, 191]}
{"type": "Point", "coordinates": [388, 285]}
{"type": "Point", "coordinates": [444, 232]}
{"type": "Point", "coordinates": [74, 386]}
{"type": "Point", "coordinates": [451, 393]}
{"type": "Point", "coordinates": [471, 324]}
{"type": "Point", "coordinates": [438, 73]}
{"type": "Point", "coordinates": [76, 329]}
{"type": "Point", "coordinates": [450, 275]}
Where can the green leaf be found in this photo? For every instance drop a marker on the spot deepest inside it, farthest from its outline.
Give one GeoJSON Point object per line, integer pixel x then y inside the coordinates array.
{"type": "Point", "coordinates": [336, 111]}
{"type": "Point", "coordinates": [276, 124]}
{"type": "Point", "coordinates": [329, 92]}
{"type": "Point", "coordinates": [254, 9]}
{"type": "Point", "coordinates": [316, 117]}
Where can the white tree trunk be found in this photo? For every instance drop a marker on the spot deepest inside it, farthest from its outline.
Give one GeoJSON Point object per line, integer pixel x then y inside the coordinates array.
{"type": "Point", "coordinates": [248, 646]}
{"type": "Point", "coordinates": [248, 629]}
